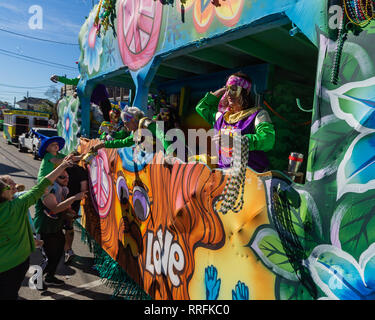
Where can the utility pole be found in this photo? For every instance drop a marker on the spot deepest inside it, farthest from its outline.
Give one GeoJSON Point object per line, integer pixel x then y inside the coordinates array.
{"type": "Point", "coordinates": [14, 103]}
{"type": "Point", "coordinates": [28, 100]}
{"type": "Point", "coordinates": [65, 88]}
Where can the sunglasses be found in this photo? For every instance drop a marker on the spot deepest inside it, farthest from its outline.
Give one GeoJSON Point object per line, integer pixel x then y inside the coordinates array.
{"type": "Point", "coordinates": [6, 188]}
{"type": "Point", "coordinates": [234, 90]}
{"type": "Point", "coordinates": [63, 177]}
{"type": "Point", "coordinates": [127, 118]}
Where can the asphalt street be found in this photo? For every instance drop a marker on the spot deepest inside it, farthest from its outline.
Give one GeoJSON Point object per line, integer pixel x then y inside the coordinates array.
{"type": "Point", "coordinates": [81, 279]}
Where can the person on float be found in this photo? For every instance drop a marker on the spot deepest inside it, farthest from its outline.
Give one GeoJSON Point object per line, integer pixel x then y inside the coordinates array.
{"type": "Point", "coordinates": [238, 114]}
{"type": "Point", "coordinates": [110, 130]}
{"type": "Point", "coordinates": [17, 241]}
{"type": "Point", "coordinates": [133, 119]}
{"type": "Point", "coordinates": [99, 95]}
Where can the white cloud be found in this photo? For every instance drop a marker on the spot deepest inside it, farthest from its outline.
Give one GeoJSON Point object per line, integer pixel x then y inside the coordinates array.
{"type": "Point", "coordinates": [11, 7]}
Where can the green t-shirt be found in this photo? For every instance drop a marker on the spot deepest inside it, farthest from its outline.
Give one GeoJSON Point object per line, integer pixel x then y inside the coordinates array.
{"type": "Point", "coordinates": [46, 167]}
{"type": "Point", "coordinates": [16, 236]}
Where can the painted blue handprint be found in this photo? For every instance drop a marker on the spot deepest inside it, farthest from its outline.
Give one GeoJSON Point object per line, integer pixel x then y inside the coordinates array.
{"type": "Point", "coordinates": [212, 283]}
{"type": "Point", "coordinates": [241, 291]}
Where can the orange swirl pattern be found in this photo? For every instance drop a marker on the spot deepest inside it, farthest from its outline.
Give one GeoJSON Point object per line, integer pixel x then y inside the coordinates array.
{"type": "Point", "coordinates": [182, 204]}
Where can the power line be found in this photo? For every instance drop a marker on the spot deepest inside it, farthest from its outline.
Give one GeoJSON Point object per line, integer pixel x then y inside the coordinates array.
{"type": "Point", "coordinates": [22, 92]}
{"type": "Point", "coordinates": [19, 87]}
{"type": "Point", "coordinates": [35, 60]}
{"type": "Point", "coordinates": [39, 39]}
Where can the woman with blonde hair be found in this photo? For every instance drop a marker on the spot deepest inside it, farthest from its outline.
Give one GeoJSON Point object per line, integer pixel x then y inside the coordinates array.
{"type": "Point", "coordinates": [16, 236]}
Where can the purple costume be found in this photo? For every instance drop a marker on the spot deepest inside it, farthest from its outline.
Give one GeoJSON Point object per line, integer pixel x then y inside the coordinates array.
{"type": "Point", "coordinates": [99, 94]}
{"type": "Point", "coordinates": [258, 160]}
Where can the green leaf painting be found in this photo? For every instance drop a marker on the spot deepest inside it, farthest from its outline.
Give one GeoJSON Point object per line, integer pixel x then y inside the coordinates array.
{"type": "Point", "coordinates": [269, 249]}
{"type": "Point", "coordinates": [291, 290]}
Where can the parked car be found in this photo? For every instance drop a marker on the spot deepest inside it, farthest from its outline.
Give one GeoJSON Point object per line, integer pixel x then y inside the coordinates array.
{"type": "Point", "coordinates": [31, 140]}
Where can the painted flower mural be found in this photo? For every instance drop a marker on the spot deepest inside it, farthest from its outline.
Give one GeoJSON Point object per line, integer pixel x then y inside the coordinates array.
{"type": "Point", "coordinates": [92, 46]}
{"type": "Point", "coordinates": [355, 104]}
{"type": "Point", "coordinates": [138, 28]}
{"type": "Point", "coordinates": [67, 127]}
{"type": "Point", "coordinates": [228, 12]}
{"type": "Point", "coordinates": [100, 184]}
{"type": "Point", "coordinates": [340, 276]}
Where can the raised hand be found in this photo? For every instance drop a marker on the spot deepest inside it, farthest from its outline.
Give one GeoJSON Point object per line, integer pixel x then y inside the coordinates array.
{"type": "Point", "coordinates": [212, 283]}
{"type": "Point", "coordinates": [81, 195]}
{"type": "Point", "coordinates": [54, 78]}
{"type": "Point", "coordinates": [67, 163]}
{"type": "Point", "coordinates": [241, 291]}
{"type": "Point", "coordinates": [219, 93]}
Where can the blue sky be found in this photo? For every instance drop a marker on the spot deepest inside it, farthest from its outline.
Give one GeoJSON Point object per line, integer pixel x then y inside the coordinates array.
{"type": "Point", "coordinates": [62, 21]}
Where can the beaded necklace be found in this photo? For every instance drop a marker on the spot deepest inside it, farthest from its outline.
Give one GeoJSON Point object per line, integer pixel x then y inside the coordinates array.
{"type": "Point", "coordinates": [236, 181]}
{"type": "Point", "coordinates": [359, 12]}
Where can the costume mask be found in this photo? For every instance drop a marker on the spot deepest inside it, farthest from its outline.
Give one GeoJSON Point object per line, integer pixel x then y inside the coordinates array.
{"type": "Point", "coordinates": [234, 87]}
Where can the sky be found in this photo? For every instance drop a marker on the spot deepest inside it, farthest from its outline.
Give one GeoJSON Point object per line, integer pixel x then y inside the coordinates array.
{"type": "Point", "coordinates": [54, 20]}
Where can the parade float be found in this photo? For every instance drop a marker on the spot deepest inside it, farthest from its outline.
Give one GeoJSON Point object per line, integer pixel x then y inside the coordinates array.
{"type": "Point", "coordinates": [155, 229]}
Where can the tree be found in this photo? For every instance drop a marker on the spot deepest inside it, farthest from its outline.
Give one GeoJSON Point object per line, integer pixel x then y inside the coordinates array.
{"type": "Point", "coordinates": [52, 93]}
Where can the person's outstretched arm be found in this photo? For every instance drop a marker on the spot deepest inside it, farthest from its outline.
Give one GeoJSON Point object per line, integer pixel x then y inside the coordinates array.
{"type": "Point", "coordinates": [56, 207]}
{"type": "Point", "coordinates": [64, 80]}
{"type": "Point", "coordinates": [31, 197]}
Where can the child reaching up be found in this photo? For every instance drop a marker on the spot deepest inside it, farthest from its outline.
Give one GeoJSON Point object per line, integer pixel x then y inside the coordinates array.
{"type": "Point", "coordinates": [51, 158]}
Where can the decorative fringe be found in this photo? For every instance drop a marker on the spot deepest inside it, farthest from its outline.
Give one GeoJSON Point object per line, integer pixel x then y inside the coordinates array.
{"type": "Point", "coordinates": [111, 273]}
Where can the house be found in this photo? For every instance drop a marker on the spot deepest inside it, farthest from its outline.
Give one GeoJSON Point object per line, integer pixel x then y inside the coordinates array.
{"type": "Point", "coordinates": [36, 104]}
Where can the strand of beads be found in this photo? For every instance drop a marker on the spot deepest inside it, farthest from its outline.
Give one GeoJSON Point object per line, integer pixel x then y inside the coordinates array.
{"type": "Point", "coordinates": [341, 37]}
{"type": "Point", "coordinates": [236, 181]}
{"type": "Point", "coordinates": [359, 12]}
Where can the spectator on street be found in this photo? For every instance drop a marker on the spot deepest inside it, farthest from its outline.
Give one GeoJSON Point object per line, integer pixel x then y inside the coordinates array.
{"type": "Point", "coordinates": [51, 156]}
{"type": "Point", "coordinates": [78, 182]}
{"type": "Point", "coordinates": [18, 191]}
{"type": "Point", "coordinates": [16, 237]}
{"type": "Point", "coordinates": [49, 221]}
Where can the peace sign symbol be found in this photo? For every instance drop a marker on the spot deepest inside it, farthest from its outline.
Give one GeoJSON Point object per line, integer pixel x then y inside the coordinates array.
{"type": "Point", "coordinates": [101, 184]}
{"type": "Point", "coordinates": [138, 28]}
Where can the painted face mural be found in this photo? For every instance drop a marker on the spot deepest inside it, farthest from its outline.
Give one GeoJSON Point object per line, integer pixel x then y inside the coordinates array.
{"type": "Point", "coordinates": [164, 232]}
{"type": "Point", "coordinates": [204, 12]}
